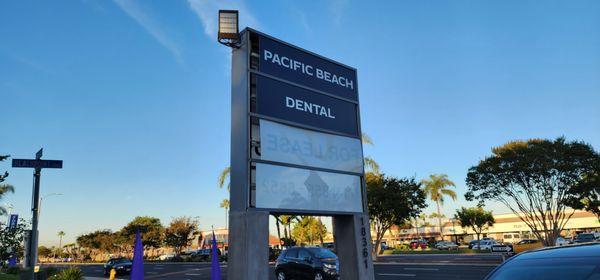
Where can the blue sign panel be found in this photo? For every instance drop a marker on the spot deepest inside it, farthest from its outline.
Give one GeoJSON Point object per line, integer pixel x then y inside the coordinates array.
{"type": "Point", "coordinates": [12, 221]}
{"type": "Point", "coordinates": [284, 101]}
{"type": "Point", "coordinates": [292, 64]}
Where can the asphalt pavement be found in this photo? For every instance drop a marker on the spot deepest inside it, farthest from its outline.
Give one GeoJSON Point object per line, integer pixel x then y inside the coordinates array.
{"type": "Point", "coordinates": [414, 267]}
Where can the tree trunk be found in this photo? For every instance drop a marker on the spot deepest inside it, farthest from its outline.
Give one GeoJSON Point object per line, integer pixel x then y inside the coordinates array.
{"type": "Point", "coordinates": [478, 241]}
{"type": "Point", "coordinates": [278, 229]}
{"type": "Point", "coordinates": [439, 219]}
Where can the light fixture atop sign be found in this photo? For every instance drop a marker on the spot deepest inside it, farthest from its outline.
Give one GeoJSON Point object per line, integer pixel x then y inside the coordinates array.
{"type": "Point", "coordinates": [228, 28]}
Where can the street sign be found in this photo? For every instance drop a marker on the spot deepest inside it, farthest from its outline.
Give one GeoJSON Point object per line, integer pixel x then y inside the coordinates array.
{"type": "Point", "coordinates": [501, 249]}
{"type": "Point", "coordinates": [307, 69]}
{"type": "Point", "coordinates": [36, 163]}
{"type": "Point", "coordinates": [291, 103]}
{"type": "Point", "coordinates": [13, 221]}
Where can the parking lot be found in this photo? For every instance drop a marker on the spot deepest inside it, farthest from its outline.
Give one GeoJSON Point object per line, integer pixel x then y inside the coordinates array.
{"type": "Point", "coordinates": [425, 267]}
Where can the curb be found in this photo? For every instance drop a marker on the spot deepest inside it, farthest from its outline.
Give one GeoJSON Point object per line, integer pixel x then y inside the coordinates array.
{"type": "Point", "coordinates": [437, 264]}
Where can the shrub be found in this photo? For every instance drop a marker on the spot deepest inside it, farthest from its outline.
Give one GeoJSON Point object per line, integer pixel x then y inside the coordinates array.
{"type": "Point", "coordinates": [12, 270]}
{"type": "Point", "coordinates": [71, 273]}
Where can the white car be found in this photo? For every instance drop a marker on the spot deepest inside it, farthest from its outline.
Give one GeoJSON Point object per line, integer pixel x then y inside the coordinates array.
{"type": "Point", "coordinates": [166, 257]}
{"type": "Point", "coordinates": [485, 245]}
{"type": "Point", "coordinates": [562, 241]}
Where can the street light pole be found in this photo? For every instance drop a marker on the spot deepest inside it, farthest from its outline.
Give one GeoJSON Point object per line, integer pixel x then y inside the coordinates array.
{"type": "Point", "coordinates": [42, 200]}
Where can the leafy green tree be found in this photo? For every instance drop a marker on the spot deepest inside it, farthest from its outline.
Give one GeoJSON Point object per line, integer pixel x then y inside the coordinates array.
{"type": "Point", "coordinates": [392, 201]}
{"type": "Point", "coordinates": [180, 232]}
{"type": "Point", "coordinates": [476, 218]}
{"type": "Point", "coordinates": [586, 194]}
{"type": "Point", "coordinates": [4, 188]}
{"type": "Point", "coordinates": [436, 188]}
{"type": "Point", "coordinates": [44, 251]}
{"type": "Point", "coordinates": [308, 230]}
{"type": "Point", "coordinates": [99, 241]}
{"type": "Point", "coordinates": [150, 228]}
{"type": "Point", "coordinates": [11, 240]}
{"type": "Point", "coordinates": [535, 179]}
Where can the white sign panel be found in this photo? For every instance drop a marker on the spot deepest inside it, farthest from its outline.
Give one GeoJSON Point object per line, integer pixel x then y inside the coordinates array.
{"type": "Point", "coordinates": [288, 144]}
{"type": "Point", "coordinates": [279, 187]}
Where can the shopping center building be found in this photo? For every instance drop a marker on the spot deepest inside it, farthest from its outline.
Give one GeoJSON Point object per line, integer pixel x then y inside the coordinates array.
{"type": "Point", "coordinates": [507, 226]}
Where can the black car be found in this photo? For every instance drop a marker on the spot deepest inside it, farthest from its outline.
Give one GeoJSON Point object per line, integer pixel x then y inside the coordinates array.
{"type": "Point", "coordinates": [121, 265]}
{"type": "Point", "coordinates": [573, 262]}
{"type": "Point", "coordinates": [585, 237]}
{"type": "Point", "coordinates": [307, 263]}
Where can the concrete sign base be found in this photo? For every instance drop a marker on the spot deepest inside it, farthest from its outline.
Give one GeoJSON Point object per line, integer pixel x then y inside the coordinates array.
{"type": "Point", "coordinates": [248, 256]}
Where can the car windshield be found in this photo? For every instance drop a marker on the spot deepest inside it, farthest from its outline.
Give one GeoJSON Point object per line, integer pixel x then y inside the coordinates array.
{"type": "Point", "coordinates": [117, 261]}
{"type": "Point", "coordinates": [322, 253]}
{"type": "Point", "coordinates": [549, 269]}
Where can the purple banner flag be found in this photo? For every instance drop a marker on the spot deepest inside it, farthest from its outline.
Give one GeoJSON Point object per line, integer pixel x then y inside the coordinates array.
{"type": "Point", "coordinates": [215, 271]}
{"type": "Point", "coordinates": [137, 271]}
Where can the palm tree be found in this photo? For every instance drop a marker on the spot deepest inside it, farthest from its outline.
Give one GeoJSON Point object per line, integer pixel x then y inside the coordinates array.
{"type": "Point", "coordinates": [225, 204]}
{"type": "Point", "coordinates": [4, 189]}
{"type": "Point", "coordinates": [60, 235]}
{"type": "Point", "coordinates": [370, 164]}
{"type": "Point", "coordinates": [435, 187]}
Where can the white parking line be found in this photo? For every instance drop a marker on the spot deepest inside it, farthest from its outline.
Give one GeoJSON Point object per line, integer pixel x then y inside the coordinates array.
{"type": "Point", "coordinates": [193, 274]}
{"type": "Point", "coordinates": [397, 274]}
{"type": "Point", "coordinates": [418, 268]}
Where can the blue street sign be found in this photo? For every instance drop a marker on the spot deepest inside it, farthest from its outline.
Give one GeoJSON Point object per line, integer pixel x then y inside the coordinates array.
{"type": "Point", "coordinates": [291, 103]}
{"type": "Point", "coordinates": [302, 67]}
{"type": "Point", "coordinates": [13, 220]}
{"type": "Point", "coordinates": [36, 163]}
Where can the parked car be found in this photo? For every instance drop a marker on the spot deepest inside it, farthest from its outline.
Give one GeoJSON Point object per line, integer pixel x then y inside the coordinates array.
{"type": "Point", "coordinates": [526, 245]}
{"type": "Point", "coordinates": [472, 243]}
{"type": "Point", "coordinates": [205, 255]}
{"type": "Point", "coordinates": [446, 245]}
{"type": "Point", "coordinates": [121, 265]}
{"type": "Point", "coordinates": [562, 241]}
{"type": "Point", "coordinates": [511, 238]}
{"type": "Point", "coordinates": [570, 262]}
{"type": "Point", "coordinates": [307, 263]}
{"type": "Point", "coordinates": [585, 237]}
{"type": "Point", "coordinates": [166, 257]}
{"type": "Point", "coordinates": [485, 244]}
{"type": "Point", "coordinates": [416, 243]}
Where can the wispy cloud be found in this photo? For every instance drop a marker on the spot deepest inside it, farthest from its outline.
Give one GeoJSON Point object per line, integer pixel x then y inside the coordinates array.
{"type": "Point", "coordinates": [337, 10]}
{"type": "Point", "coordinates": [304, 22]}
{"type": "Point", "coordinates": [151, 26]}
{"type": "Point", "coordinates": [207, 12]}
{"type": "Point", "coordinates": [27, 62]}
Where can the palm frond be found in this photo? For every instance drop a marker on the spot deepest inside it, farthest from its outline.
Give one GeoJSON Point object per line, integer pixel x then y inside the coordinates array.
{"type": "Point", "coordinates": [224, 176]}
{"type": "Point", "coordinates": [6, 188]}
{"type": "Point", "coordinates": [366, 139]}
{"type": "Point", "coordinates": [450, 193]}
{"type": "Point", "coordinates": [371, 165]}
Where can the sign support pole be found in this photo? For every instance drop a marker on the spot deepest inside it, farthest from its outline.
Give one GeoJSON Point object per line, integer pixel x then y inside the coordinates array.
{"type": "Point", "coordinates": [34, 217]}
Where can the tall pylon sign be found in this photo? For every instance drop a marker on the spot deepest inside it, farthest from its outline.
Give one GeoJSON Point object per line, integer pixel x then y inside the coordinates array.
{"type": "Point", "coordinates": [295, 149]}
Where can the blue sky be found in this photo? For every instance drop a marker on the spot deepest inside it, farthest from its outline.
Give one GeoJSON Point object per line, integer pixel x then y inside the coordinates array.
{"type": "Point", "coordinates": [134, 96]}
